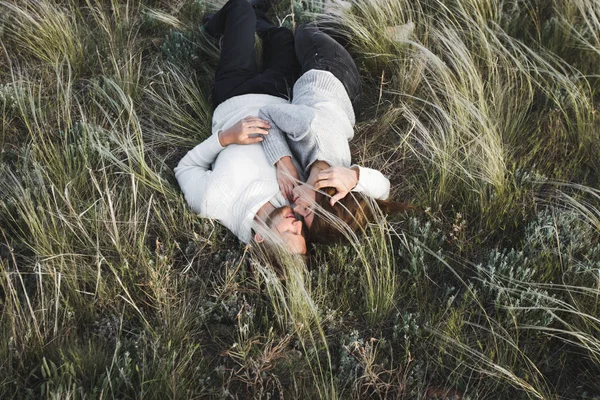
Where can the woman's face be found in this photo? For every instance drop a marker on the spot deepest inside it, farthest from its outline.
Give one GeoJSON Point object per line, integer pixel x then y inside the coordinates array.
{"type": "Point", "coordinates": [304, 201]}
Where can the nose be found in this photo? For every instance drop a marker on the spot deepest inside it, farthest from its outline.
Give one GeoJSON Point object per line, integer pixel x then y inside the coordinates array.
{"type": "Point", "coordinates": [298, 225]}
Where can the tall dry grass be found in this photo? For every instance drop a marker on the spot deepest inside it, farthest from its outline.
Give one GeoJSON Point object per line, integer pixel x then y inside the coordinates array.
{"type": "Point", "coordinates": [482, 112]}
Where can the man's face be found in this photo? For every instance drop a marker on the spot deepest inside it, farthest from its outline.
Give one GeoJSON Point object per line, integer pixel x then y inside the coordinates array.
{"type": "Point", "coordinates": [304, 200]}
{"type": "Point", "coordinates": [284, 222]}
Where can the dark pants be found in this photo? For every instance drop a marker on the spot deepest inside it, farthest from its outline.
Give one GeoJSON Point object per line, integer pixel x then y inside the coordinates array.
{"type": "Point", "coordinates": [316, 49]}
{"type": "Point", "coordinates": [237, 72]}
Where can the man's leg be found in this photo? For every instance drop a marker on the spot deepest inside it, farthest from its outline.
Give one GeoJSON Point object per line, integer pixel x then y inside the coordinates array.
{"type": "Point", "coordinates": [237, 63]}
{"type": "Point", "coordinates": [280, 65]}
{"type": "Point", "coordinates": [317, 50]}
{"type": "Point", "coordinates": [334, 29]}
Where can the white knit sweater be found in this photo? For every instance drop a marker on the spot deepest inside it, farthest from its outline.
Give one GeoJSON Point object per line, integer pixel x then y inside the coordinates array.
{"type": "Point", "coordinates": [230, 183]}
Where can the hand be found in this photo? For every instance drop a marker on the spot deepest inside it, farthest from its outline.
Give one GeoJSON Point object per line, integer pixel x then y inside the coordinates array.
{"type": "Point", "coordinates": [248, 130]}
{"type": "Point", "coordinates": [341, 178]}
{"type": "Point", "coordinates": [287, 177]}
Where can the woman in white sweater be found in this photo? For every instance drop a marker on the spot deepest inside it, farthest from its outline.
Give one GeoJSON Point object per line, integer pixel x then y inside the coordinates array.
{"type": "Point", "coordinates": [227, 176]}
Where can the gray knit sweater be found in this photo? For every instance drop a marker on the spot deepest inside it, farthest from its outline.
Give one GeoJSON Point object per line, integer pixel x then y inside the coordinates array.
{"type": "Point", "coordinates": [317, 125]}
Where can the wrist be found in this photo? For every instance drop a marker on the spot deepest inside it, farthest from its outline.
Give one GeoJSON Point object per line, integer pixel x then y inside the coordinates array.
{"type": "Point", "coordinates": [356, 171]}
{"type": "Point", "coordinates": [284, 161]}
{"type": "Point", "coordinates": [223, 136]}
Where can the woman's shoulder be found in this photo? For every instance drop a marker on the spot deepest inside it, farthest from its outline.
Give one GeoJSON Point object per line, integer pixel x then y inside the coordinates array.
{"type": "Point", "coordinates": [319, 81]}
{"type": "Point", "coordinates": [322, 88]}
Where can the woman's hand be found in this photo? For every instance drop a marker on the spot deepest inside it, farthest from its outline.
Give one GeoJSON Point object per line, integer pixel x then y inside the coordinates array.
{"type": "Point", "coordinates": [287, 177]}
{"type": "Point", "coordinates": [248, 130]}
{"type": "Point", "coordinates": [341, 178]}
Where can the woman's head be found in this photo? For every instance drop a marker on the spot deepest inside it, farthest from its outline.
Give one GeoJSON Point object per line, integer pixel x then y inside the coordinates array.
{"type": "Point", "coordinates": [351, 213]}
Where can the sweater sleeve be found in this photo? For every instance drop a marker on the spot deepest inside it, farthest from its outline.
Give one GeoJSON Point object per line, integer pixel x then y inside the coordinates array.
{"type": "Point", "coordinates": [193, 173]}
{"type": "Point", "coordinates": [288, 121]}
{"type": "Point", "coordinates": [372, 183]}
{"type": "Point", "coordinates": [274, 144]}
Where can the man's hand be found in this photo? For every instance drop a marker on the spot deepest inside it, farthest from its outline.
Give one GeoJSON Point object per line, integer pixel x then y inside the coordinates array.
{"type": "Point", "coordinates": [246, 131]}
{"type": "Point", "coordinates": [341, 178]}
{"type": "Point", "coordinates": [287, 177]}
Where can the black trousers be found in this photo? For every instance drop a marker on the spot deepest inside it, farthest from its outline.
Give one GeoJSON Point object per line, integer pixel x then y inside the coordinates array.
{"type": "Point", "coordinates": [237, 72]}
{"type": "Point", "coordinates": [316, 49]}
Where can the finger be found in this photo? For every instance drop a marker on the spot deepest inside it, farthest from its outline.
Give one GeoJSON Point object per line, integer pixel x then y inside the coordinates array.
{"type": "Point", "coordinates": [321, 184]}
{"type": "Point", "coordinates": [336, 197]}
{"type": "Point", "coordinates": [251, 130]}
{"type": "Point", "coordinates": [260, 129]}
{"type": "Point", "coordinates": [254, 118]}
{"type": "Point", "coordinates": [262, 122]}
{"type": "Point", "coordinates": [256, 126]}
{"type": "Point", "coordinates": [257, 122]}
{"type": "Point", "coordinates": [326, 173]}
{"type": "Point", "coordinates": [326, 183]}
{"type": "Point", "coordinates": [287, 191]}
{"type": "Point", "coordinates": [291, 190]}
{"type": "Point", "coordinates": [252, 140]}
{"type": "Point", "coordinates": [254, 135]}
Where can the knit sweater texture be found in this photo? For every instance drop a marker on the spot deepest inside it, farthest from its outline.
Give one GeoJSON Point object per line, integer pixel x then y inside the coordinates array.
{"type": "Point", "coordinates": [230, 183]}
{"type": "Point", "coordinates": [317, 125]}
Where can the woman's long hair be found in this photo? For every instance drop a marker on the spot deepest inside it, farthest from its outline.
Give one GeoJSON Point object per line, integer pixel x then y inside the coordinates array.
{"type": "Point", "coordinates": [348, 216]}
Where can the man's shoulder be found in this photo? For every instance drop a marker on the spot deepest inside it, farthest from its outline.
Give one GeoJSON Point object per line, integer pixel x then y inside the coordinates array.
{"type": "Point", "coordinates": [251, 101]}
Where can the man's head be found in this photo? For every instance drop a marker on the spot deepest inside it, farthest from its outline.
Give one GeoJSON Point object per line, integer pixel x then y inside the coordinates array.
{"type": "Point", "coordinates": [282, 226]}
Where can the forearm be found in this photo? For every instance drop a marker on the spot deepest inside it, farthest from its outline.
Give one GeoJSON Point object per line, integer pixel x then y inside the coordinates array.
{"type": "Point", "coordinates": [288, 122]}
{"type": "Point", "coordinates": [194, 171]}
{"type": "Point", "coordinates": [285, 162]}
{"type": "Point", "coordinates": [276, 146]}
{"type": "Point", "coordinates": [200, 157]}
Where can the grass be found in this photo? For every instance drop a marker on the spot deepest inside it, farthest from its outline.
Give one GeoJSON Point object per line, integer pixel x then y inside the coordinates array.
{"type": "Point", "coordinates": [483, 113]}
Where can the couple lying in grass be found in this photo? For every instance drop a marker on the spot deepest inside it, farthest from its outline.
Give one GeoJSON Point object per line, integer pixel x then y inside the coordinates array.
{"type": "Point", "coordinates": [270, 159]}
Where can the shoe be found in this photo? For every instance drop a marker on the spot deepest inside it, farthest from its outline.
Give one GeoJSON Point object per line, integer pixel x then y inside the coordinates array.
{"type": "Point", "coordinates": [263, 5]}
{"type": "Point", "coordinates": [207, 18]}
